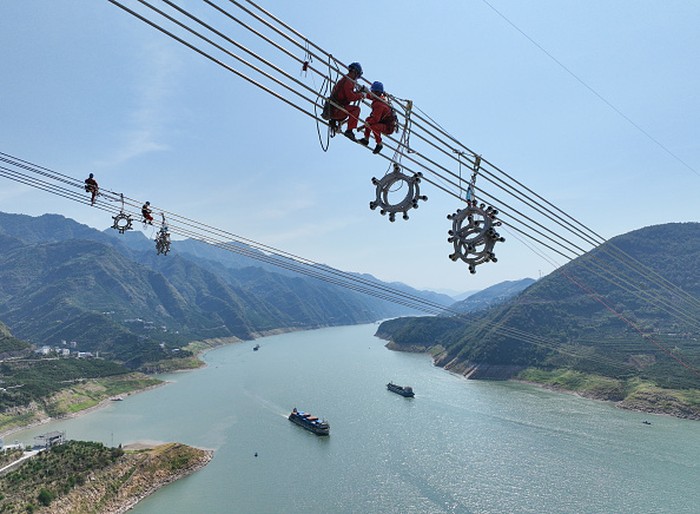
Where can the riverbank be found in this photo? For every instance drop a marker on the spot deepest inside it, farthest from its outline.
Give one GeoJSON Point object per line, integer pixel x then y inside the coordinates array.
{"type": "Point", "coordinates": [90, 395]}
{"type": "Point", "coordinates": [75, 401]}
{"type": "Point", "coordinates": [632, 394]}
{"type": "Point", "coordinates": [200, 347]}
{"type": "Point", "coordinates": [238, 406]}
{"type": "Point", "coordinates": [87, 477]}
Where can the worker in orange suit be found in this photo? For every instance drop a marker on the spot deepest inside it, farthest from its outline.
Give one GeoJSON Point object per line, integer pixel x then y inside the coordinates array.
{"type": "Point", "coordinates": [381, 120]}
{"type": "Point", "coordinates": [343, 96]}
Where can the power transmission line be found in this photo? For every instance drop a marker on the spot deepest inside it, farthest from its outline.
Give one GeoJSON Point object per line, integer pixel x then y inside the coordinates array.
{"type": "Point", "coordinates": [65, 186]}
{"type": "Point", "coordinates": [580, 238]}
{"type": "Point", "coordinates": [592, 90]}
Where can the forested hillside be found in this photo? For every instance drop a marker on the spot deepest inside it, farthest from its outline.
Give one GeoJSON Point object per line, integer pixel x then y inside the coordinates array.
{"type": "Point", "coordinates": [84, 476]}
{"type": "Point", "coordinates": [9, 345]}
{"type": "Point", "coordinates": [627, 309]}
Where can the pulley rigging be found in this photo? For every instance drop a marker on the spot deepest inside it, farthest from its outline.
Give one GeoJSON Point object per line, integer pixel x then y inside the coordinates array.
{"type": "Point", "coordinates": [216, 44]}
{"type": "Point", "coordinates": [473, 232]}
{"type": "Point", "coordinates": [163, 238]}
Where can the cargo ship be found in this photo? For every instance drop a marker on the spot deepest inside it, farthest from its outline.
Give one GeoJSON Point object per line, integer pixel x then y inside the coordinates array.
{"type": "Point", "coordinates": [406, 391]}
{"type": "Point", "coordinates": [309, 422]}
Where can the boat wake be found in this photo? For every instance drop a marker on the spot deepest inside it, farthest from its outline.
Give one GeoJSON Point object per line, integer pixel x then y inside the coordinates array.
{"type": "Point", "coordinates": [268, 405]}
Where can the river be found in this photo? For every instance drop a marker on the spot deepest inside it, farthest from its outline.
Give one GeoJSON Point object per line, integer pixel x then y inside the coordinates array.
{"type": "Point", "coordinates": [459, 446]}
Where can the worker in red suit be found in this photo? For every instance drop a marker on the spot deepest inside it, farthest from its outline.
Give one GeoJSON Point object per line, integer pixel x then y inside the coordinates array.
{"type": "Point", "coordinates": [381, 121]}
{"type": "Point", "coordinates": [147, 213]}
{"type": "Point", "coordinates": [92, 188]}
{"type": "Point", "coordinates": [342, 96]}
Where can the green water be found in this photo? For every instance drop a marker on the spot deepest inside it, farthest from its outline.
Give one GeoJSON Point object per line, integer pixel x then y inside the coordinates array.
{"type": "Point", "coordinates": [458, 447]}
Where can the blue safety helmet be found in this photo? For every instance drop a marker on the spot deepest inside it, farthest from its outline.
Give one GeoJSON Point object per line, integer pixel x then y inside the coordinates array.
{"type": "Point", "coordinates": [356, 66]}
{"type": "Point", "coordinates": [377, 87]}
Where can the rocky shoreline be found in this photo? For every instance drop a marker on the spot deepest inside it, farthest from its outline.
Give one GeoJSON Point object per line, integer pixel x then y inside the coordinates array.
{"type": "Point", "coordinates": [646, 403]}
{"type": "Point", "coordinates": [129, 502]}
{"type": "Point", "coordinates": [138, 474]}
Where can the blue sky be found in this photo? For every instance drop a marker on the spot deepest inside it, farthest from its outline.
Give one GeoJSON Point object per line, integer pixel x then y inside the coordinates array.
{"type": "Point", "coordinates": [86, 87]}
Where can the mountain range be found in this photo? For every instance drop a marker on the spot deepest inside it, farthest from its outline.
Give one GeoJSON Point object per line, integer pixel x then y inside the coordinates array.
{"type": "Point", "coordinates": [61, 281]}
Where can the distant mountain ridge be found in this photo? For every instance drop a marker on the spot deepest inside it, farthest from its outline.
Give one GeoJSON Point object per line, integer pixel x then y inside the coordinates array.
{"type": "Point", "coordinates": [491, 296]}
{"type": "Point", "coordinates": [63, 281]}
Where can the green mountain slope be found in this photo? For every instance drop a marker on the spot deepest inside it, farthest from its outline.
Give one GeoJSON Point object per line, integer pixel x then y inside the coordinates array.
{"type": "Point", "coordinates": [9, 345]}
{"type": "Point", "coordinates": [586, 316]}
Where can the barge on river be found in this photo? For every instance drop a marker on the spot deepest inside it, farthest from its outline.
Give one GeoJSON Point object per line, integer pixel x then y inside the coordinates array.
{"type": "Point", "coordinates": [406, 391]}
{"type": "Point", "coordinates": [309, 422]}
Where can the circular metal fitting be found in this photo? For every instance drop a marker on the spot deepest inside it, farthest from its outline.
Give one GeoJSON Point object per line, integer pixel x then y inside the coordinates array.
{"type": "Point", "coordinates": [385, 187]}
{"type": "Point", "coordinates": [122, 222]}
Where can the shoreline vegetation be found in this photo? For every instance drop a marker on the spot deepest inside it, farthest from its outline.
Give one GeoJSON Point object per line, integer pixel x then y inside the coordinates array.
{"type": "Point", "coordinates": [94, 394]}
{"type": "Point", "coordinates": [76, 400]}
{"type": "Point", "coordinates": [141, 468]}
{"type": "Point", "coordinates": [633, 394]}
{"type": "Point", "coordinates": [133, 473]}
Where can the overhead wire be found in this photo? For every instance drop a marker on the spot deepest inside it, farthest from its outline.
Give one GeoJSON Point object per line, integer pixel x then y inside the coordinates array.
{"type": "Point", "coordinates": [592, 90]}
{"type": "Point", "coordinates": [591, 237]}
{"type": "Point", "coordinates": [560, 216]}
{"type": "Point", "coordinates": [197, 230]}
{"type": "Point", "coordinates": [433, 125]}
{"type": "Point", "coordinates": [526, 233]}
{"type": "Point", "coordinates": [528, 229]}
{"type": "Point", "coordinates": [299, 45]}
{"type": "Point", "coordinates": [586, 233]}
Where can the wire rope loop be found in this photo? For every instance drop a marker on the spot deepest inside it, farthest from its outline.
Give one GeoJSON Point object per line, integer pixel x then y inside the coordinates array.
{"type": "Point", "coordinates": [122, 222]}
{"type": "Point", "coordinates": [384, 188]}
{"type": "Point", "coordinates": [473, 235]}
{"type": "Point", "coordinates": [324, 93]}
